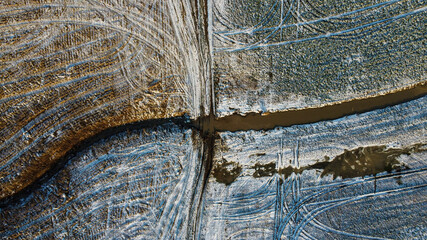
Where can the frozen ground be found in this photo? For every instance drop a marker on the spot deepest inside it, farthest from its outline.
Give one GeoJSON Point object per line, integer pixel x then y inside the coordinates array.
{"type": "Point", "coordinates": [299, 182]}
{"type": "Point", "coordinates": [255, 193]}
{"type": "Point", "coordinates": [96, 98]}
{"type": "Point", "coordinates": [142, 184]}
{"type": "Point", "coordinates": [72, 69]}
{"type": "Point", "coordinates": [277, 55]}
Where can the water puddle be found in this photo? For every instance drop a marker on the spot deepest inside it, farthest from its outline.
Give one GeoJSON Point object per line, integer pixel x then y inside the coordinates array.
{"type": "Point", "coordinates": [258, 121]}
{"type": "Point", "coordinates": [365, 161]}
{"type": "Point", "coordinates": [359, 162]}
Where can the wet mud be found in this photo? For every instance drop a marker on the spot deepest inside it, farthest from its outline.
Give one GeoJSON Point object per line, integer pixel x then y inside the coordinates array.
{"type": "Point", "coordinates": [226, 172]}
{"type": "Point", "coordinates": [359, 162]}
{"type": "Point", "coordinates": [354, 163]}
{"type": "Point", "coordinates": [366, 161]}
{"type": "Point", "coordinates": [264, 170]}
